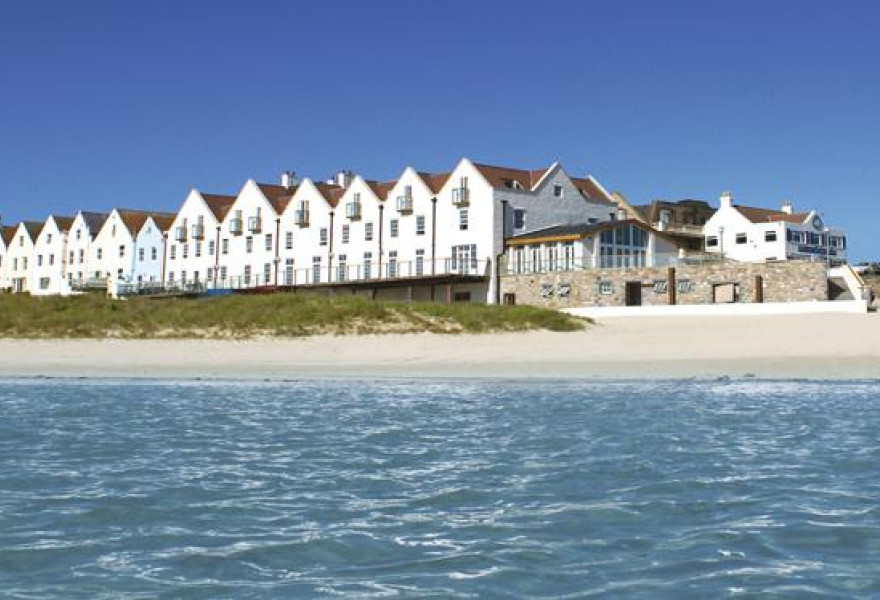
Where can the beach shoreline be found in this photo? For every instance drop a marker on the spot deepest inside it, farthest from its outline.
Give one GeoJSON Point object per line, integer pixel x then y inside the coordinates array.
{"type": "Point", "coordinates": [832, 346]}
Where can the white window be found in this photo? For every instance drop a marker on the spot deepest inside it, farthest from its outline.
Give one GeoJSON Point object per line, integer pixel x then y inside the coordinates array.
{"type": "Point", "coordinates": [316, 269]}
{"type": "Point", "coordinates": [211, 247]}
{"type": "Point", "coordinates": [141, 254]}
{"type": "Point", "coordinates": [368, 232]}
{"type": "Point", "coordinates": [198, 248]}
{"type": "Point", "coordinates": [342, 268]}
{"type": "Point", "coordinates": [392, 264]}
{"type": "Point", "coordinates": [39, 260]}
{"type": "Point", "coordinates": [268, 242]}
{"type": "Point", "coordinates": [368, 265]}
{"type": "Point", "coordinates": [247, 275]}
{"type": "Point", "coordinates": [249, 244]}
{"type": "Point", "coordinates": [323, 236]}
{"type": "Point", "coordinates": [48, 238]}
{"type": "Point", "coordinates": [420, 224]}
{"type": "Point", "coordinates": [225, 245]}
{"type": "Point", "coordinates": [288, 240]}
{"type": "Point", "coordinates": [267, 273]}
{"type": "Point", "coordinates": [420, 262]}
{"type": "Point", "coordinates": [172, 253]}
{"type": "Point", "coordinates": [606, 288]}
{"type": "Point", "coordinates": [346, 231]}
{"type": "Point", "coordinates": [464, 258]}
{"type": "Point", "coordinates": [769, 236]}
{"type": "Point", "coordinates": [154, 253]}
{"type": "Point", "coordinates": [288, 271]}
{"type": "Point", "coordinates": [395, 227]}
{"type": "Point", "coordinates": [82, 256]}
{"type": "Point", "coordinates": [463, 219]}
{"type": "Point", "coordinates": [121, 251]}
{"type": "Point", "coordinates": [741, 238]}
{"type": "Point", "coordinates": [223, 273]}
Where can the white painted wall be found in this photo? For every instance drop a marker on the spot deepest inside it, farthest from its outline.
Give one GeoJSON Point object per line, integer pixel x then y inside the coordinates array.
{"type": "Point", "coordinates": [80, 254]}
{"type": "Point", "coordinates": [306, 238]}
{"type": "Point", "coordinates": [50, 266]}
{"type": "Point", "coordinates": [260, 251]}
{"type": "Point", "coordinates": [193, 211]}
{"type": "Point", "coordinates": [112, 250]}
{"type": "Point", "coordinates": [149, 254]}
{"type": "Point", "coordinates": [20, 255]}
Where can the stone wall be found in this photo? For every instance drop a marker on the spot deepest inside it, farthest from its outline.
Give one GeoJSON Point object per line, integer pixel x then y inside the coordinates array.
{"type": "Point", "coordinates": [796, 281]}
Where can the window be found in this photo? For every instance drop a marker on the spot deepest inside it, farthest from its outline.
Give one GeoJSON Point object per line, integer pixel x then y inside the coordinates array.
{"type": "Point", "coordinates": [141, 254]}
{"type": "Point", "coordinates": [606, 288]}
{"type": "Point", "coordinates": [368, 265]}
{"type": "Point", "coordinates": [463, 219]}
{"type": "Point", "coordinates": [368, 232]}
{"type": "Point", "coordinates": [170, 276]}
{"type": "Point", "coordinates": [316, 269]}
{"type": "Point", "coordinates": [78, 233]}
{"type": "Point", "coordinates": [288, 240]}
{"type": "Point", "coordinates": [665, 216]}
{"type": "Point", "coordinates": [172, 253]}
{"type": "Point", "coordinates": [288, 271]}
{"type": "Point", "coordinates": [420, 262]}
{"type": "Point", "coordinates": [225, 245]}
{"type": "Point", "coordinates": [342, 268]}
{"type": "Point", "coordinates": [44, 283]}
{"type": "Point", "coordinates": [223, 273]}
{"type": "Point", "coordinates": [249, 244]}
{"type": "Point", "coordinates": [268, 242]}
{"type": "Point", "coordinates": [519, 218]}
{"type": "Point", "coordinates": [212, 247]}
{"type": "Point", "coordinates": [464, 258]}
{"type": "Point", "coordinates": [741, 238]}
{"type": "Point", "coordinates": [420, 224]}
{"type": "Point", "coordinates": [558, 191]}
{"type": "Point", "coordinates": [48, 238]}
{"type": "Point", "coordinates": [154, 253]}
{"type": "Point", "coordinates": [711, 241]}
{"type": "Point", "coordinates": [121, 251]}
{"type": "Point", "coordinates": [392, 264]}
{"type": "Point", "coordinates": [51, 259]}
{"type": "Point", "coordinates": [346, 231]}
{"type": "Point", "coordinates": [185, 248]}
{"type": "Point", "coordinates": [82, 256]}
{"type": "Point", "coordinates": [183, 277]}
{"type": "Point", "coordinates": [395, 227]}
{"type": "Point", "coordinates": [323, 236]}
{"type": "Point", "coordinates": [622, 247]}
{"type": "Point", "coordinates": [247, 275]}
{"type": "Point", "coordinates": [69, 260]}
{"type": "Point", "coordinates": [267, 273]}
{"type": "Point", "coordinates": [198, 248]}
{"type": "Point", "coordinates": [39, 260]}
{"type": "Point", "coordinates": [769, 236]}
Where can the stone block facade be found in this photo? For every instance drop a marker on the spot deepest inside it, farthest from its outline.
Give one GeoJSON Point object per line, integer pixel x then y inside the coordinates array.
{"type": "Point", "coordinates": [709, 283]}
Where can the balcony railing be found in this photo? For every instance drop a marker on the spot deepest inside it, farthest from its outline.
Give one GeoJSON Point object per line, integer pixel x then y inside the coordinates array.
{"type": "Point", "coordinates": [460, 196]}
{"type": "Point", "coordinates": [255, 224]}
{"type": "Point", "coordinates": [404, 204]}
{"type": "Point", "coordinates": [301, 217]}
{"type": "Point", "coordinates": [235, 226]}
{"type": "Point", "coordinates": [198, 232]}
{"type": "Point", "coordinates": [511, 266]}
{"type": "Point", "coordinates": [685, 228]}
{"type": "Point", "coordinates": [180, 233]}
{"type": "Point", "coordinates": [353, 210]}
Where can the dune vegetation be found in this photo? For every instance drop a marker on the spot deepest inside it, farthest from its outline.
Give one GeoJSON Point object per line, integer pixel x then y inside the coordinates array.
{"type": "Point", "coordinates": [285, 315]}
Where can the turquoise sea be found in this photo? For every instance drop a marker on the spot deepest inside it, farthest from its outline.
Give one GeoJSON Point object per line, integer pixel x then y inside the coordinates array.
{"type": "Point", "coordinates": [663, 489]}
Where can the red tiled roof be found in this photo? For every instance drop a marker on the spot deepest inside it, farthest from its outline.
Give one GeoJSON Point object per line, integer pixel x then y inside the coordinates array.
{"type": "Point", "coordinates": [332, 193]}
{"type": "Point", "coordinates": [381, 189]}
{"type": "Point", "coordinates": [134, 219]}
{"type": "Point", "coordinates": [8, 234]}
{"type": "Point", "coordinates": [33, 228]}
{"type": "Point", "coordinates": [63, 223]}
{"type": "Point", "coordinates": [219, 204]}
{"type": "Point", "coordinates": [435, 181]}
{"type": "Point", "coordinates": [277, 195]}
{"type": "Point", "coordinates": [591, 191]}
{"type": "Point", "coordinates": [504, 177]}
{"type": "Point", "coordinates": [164, 221]}
{"type": "Point", "coordinates": [765, 215]}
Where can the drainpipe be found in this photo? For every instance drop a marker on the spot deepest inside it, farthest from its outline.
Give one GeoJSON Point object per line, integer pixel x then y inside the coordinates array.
{"type": "Point", "coordinates": [499, 256]}
{"type": "Point", "coordinates": [277, 247]}
{"type": "Point", "coordinates": [433, 238]}
{"type": "Point", "coordinates": [164, 256]}
{"type": "Point", "coordinates": [381, 242]}
{"type": "Point", "coordinates": [217, 256]}
{"type": "Point", "coordinates": [330, 251]}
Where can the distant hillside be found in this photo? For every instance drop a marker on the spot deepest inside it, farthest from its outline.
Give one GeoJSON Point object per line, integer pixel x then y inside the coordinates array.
{"type": "Point", "coordinates": [94, 316]}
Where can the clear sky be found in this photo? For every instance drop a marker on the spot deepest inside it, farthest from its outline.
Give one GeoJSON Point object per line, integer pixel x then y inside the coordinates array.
{"type": "Point", "coordinates": [126, 103]}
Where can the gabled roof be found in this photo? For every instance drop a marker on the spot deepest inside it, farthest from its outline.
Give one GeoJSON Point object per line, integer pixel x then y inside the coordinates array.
{"type": "Point", "coordinates": [63, 223]}
{"type": "Point", "coordinates": [651, 212]}
{"type": "Point", "coordinates": [506, 178]}
{"type": "Point", "coordinates": [380, 189]}
{"type": "Point", "coordinates": [573, 232]}
{"type": "Point", "coordinates": [765, 215]}
{"type": "Point", "coordinates": [134, 219]}
{"type": "Point", "coordinates": [94, 221]}
{"type": "Point", "coordinates": [8, 234]}
{"type": "Point", "coordinates": [164, 221]}
{"type": "Point", "coordinates": [219, 204]}
{"type": "Point", "coordinates": [591, 191]}
{"type": "Point", "coordinates": [435, 181]}
{"type": "Point", "coordinates": [33, 228]}
{"type": "Point", "coordinates": [332, 193]}
{"type": "Point", "coordinates": [277, 195]}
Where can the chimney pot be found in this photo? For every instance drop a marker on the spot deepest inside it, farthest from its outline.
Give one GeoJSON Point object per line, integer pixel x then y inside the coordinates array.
{"type": "Point", "coordinates": [726, 199]}
{"type": "Point", "coordinates": [787, 207]}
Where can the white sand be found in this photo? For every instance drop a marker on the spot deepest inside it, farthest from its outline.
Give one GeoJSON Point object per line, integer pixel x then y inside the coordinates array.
{"type": "Point", "coordinates": [833, 346]}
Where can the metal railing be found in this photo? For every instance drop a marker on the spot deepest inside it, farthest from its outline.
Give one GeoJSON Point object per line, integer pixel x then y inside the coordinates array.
{"type": "Point", "coordinates": [510, 266]}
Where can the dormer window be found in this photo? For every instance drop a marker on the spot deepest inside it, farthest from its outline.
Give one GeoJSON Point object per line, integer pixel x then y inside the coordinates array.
{"type": "Point", "coordinates": [558, 191]}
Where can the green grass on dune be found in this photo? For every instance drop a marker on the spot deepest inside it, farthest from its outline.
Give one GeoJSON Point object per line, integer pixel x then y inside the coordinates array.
{"type": "Point", "coordinates": [96, 316]}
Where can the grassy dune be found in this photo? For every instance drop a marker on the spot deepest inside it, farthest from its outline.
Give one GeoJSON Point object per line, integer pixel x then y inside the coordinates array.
{"type": "Point", "coordinates": [95, 316]}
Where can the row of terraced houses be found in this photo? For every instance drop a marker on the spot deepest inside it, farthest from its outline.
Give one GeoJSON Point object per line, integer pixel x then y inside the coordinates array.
{"type": "Point", "coordinates": [424, 236]}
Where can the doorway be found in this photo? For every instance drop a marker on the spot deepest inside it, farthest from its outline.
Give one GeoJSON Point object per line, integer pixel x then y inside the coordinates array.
{"type": "Point", "coordinates": [633, 293]}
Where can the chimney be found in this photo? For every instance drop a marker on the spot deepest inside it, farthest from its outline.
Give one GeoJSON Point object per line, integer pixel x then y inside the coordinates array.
{"type": "Point", "coordinates": [289, 180]}
{"type": "Point", "coordinates": [787, 207]}
{"type": "Point", "coordinates": [344, 178]}
{"type": "Point", "coordinates": [726, 199]}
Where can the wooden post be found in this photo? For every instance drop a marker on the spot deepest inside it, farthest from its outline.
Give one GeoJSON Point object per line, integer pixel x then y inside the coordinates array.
{"type": "Point", "coordinates": [670, 276]}
{"type": "Point", "coordinates": [448, 293]}
{"type": "Point", "coordinates": [759, 289]}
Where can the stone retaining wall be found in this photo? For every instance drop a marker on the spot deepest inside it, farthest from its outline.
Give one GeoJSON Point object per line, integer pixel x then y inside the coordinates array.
{"type": "Point", "coordinates": [795, 281]}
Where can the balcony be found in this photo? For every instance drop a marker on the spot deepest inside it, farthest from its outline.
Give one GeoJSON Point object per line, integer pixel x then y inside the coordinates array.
{"type": "Point", "coordinates": [255, 224]}
{"type": "Point", "coordinates": [180, 233]}
{"type": "Point", "coordinates": [235, 227]}
{"type": "Point", "coordinates": [301, 217]}
{"type": "Point", "coordinates": [404, 204]}
{"type": "Point", "coordinates": [460, 196]}
{"type": "Point", "coordinates": [680, 228]}
{"type": "Point", "coordinates": [198, 232]}
{"type": "Point", "coordinates": [353, 210]}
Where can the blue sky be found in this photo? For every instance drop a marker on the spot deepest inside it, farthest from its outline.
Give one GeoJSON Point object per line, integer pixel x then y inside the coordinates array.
{"type": "Point", "coordinates": [107, 104]}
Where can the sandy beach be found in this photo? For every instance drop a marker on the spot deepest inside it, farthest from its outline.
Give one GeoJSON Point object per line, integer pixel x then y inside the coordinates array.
{"type": "Point", "coordinates": [833, 346]}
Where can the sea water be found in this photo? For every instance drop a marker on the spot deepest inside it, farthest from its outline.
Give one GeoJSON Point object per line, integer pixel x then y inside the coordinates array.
{"type": "Point", "coordinates": [139, 489]}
